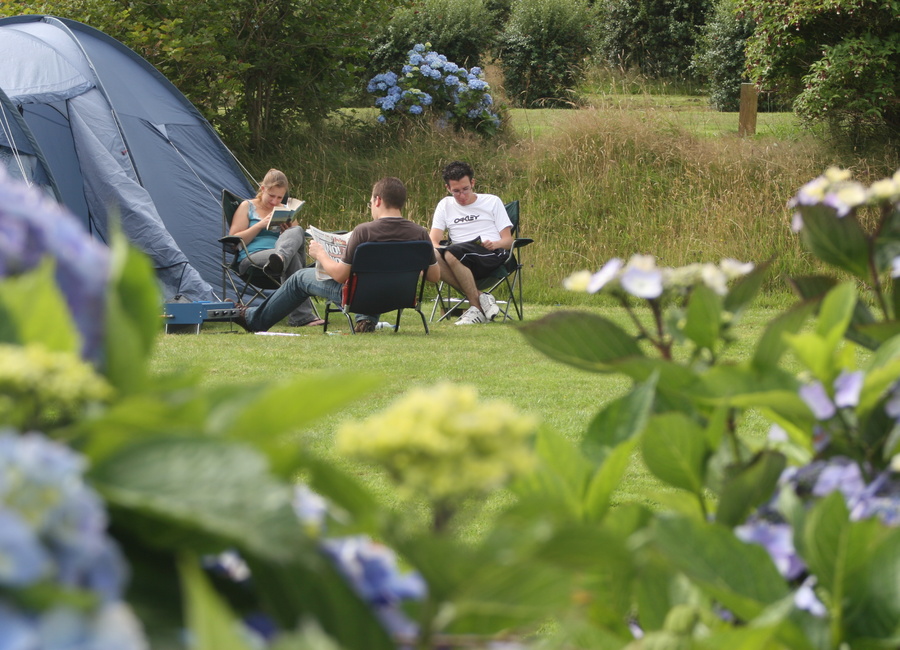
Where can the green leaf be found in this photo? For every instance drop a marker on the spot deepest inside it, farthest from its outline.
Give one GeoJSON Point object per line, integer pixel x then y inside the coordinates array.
{"type": "Point", "coordinates": [704, 317]}
{"type": "Point", "coordinates": [33, 310]}
{"type": "Point", "coordinates": [132, 316]}
{"type": "Point", "coordinates": [746, 289]}
{"type": "Point", "coordinates": [580, 339]}
{"type": "Point", "coordinates": [265, 414]}
{"type": "Point", "coordinates": [674, 449]}
{"type": "Point", "coordinates": [740, 576]}
{"type": "Point", "coordinates": [812, 287]}
{"type": "Point", "coordinates": [839, 242]}
{"type": "Point", "coordinates": [607, 478]}
{"type": "Point", "coordinates": [873, 593]}
{"type": "Point", "coordinates": [750, 486]}
{"type": "Point", "coordinates": [619, 420]}
{"type": "Point", "coordinates": [199, 494]}
{"type": "Point", "coordinates": [836, 313]}
{"type": "Point", "coordinates": [772, 344]}
{"type": "Point", "coordinates": [211, 623]}
{"type": "Point", "coordinates": [561, 477]}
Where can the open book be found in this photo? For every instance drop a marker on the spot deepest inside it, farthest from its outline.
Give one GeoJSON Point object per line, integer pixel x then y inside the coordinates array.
{"type": "Point", "coordinates": [334, 244]}
{"type": "Point", "coordinates": [283, 215]}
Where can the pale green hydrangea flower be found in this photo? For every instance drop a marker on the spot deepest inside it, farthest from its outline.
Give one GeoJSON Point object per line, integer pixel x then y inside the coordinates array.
{"type": "Point", "coordinates": [443, 444]}
{"type": "Point", "coordinates": [40, 388]}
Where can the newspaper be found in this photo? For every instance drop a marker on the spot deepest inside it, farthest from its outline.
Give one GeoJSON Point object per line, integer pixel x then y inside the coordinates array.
{"type": "Point", "coordinates": [334, 244]}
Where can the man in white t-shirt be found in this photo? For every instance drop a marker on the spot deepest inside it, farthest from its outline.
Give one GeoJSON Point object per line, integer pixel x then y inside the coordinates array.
{"type": "Point", "coordinates": [480, 239]}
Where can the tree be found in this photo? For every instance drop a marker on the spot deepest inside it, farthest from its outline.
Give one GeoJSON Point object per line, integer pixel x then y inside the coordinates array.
{"type": "Point", "coordinates": [655, 36]}
{"type": "Point", "coordinates": [251, 67]}
{"type": "Point", "coordinates": [839, 59]}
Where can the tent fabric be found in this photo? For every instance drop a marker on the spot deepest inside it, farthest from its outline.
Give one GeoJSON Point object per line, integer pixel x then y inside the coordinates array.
{"type": "Point", "coordinates": [111, 137]}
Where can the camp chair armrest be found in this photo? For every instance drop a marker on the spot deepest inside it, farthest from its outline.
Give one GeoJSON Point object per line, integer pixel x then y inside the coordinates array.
{"type": "Point", "coordinates": [232, 244]}
{"type": "Point", "coordinates": [521, 242]}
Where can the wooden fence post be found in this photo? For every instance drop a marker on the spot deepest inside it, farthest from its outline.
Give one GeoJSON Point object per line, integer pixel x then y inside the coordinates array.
{"type": "Point", "coordinates": [747, 116]}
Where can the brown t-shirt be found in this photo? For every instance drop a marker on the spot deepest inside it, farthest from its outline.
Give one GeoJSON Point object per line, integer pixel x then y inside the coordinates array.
{"type": "Point", "coordinates": [384, 229]}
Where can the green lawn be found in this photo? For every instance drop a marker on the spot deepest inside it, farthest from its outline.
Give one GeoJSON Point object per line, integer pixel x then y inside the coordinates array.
{"type": "Point", "coordinates": [495, 358]}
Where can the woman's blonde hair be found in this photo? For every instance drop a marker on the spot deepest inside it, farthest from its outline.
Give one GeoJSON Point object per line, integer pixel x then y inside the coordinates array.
{"type": "Point", "coordinates": [273, 178]}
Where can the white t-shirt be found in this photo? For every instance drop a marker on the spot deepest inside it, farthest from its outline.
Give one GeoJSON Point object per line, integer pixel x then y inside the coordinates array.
{"type": "Point", "coordinates": [484, 218]}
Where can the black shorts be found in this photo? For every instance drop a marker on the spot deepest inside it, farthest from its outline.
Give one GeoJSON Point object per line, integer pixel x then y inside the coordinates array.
{"type": "Point", "coordinates": [476, 257]}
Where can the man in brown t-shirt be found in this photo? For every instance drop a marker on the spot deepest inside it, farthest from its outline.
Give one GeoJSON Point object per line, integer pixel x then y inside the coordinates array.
{"type": "Point", "coordinates": [388, 224]}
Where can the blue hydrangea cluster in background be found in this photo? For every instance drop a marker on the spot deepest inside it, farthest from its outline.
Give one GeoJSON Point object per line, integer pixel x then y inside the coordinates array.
{"type": "Point", "coordinates": [430, 84]}
{"type": "Point", "coordinates": [32, 227]}
{"type": "Point", "coordinates": [61, 575]}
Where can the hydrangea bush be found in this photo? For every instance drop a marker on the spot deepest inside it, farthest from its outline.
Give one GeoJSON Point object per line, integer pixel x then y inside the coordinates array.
{"type": "Point", "coordinates": [444, 445]}
{"type": "Point", "coordinates": [430, 85]}
{"type": "Point", "coordinates": [62, 576]}
{"type": "Point", "coordinates": [787, 542]}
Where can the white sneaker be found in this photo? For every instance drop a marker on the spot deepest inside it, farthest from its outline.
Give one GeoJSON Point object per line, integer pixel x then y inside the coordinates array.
{"type": "Point", "coordinates": [471, 316]}
{"type": "Point", "coordinates": [489, 305]}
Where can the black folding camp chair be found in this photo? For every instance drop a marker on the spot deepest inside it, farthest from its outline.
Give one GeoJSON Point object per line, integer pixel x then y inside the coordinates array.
{"type": "Point", "coordinates": [505, 283]}
{"type": "Point", "coordinates": [384, 277]}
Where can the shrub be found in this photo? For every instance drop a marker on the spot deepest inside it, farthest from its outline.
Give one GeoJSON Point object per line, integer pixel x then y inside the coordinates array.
{"type": "Point", "coordinates": [429, 84]}
{"type": "Point", "coordinates": [543, 49]}
{"type": "Point", "coordinates": [655, 36]}
{"type": "Point", "coordinates": [839, 60]}
{"type": "Point", "coordinates": [720, 55]}
{"type": "Point", "coordinates": [854, 88]}
{"type": "Point", "coordinates": [460, 29]}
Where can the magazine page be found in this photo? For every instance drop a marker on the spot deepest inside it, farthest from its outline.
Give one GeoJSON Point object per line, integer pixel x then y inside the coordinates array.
{"type": "Point", "coordinates": [334, 244]}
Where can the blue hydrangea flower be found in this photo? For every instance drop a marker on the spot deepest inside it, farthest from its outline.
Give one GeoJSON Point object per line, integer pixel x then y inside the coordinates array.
{"type": "Point", "coordinates": [426, 99]}
{"type": "Point", "coordinates": [847, 388]}
{"type": "Point", "coordinates": [23, 561]}
{"type": "Point", "coordinates": [415, 109]}
{"type": "Point", "coordinates": [418, 47]}
{"type": "Point", "coordinates": [475, 71]}
{"type": "Point", "coordinates": [778, 540]}
{"type": "Point", "coordinates": [382, 119]}
{"type": "Point", "coordinates": [33, 227]}
{"type": "Point", "coordinates": [477, 84]}
{"type": "Point", "coordinates": [451, 68]}
{"type": "Point", "coordinates": [840, 474]}
{"type": "Point", "coordinates": [372, 571]}
{"type": "Point", "coordinates": [805, 598]}
{"type": "Point", "coordinates": [451, 80]}
{"type": "Point", "coordinates": [816, 398]}
{"type": "Point", "coordinates": [53, 526]}
{"type": "Point", "coordinates": [416, 59]}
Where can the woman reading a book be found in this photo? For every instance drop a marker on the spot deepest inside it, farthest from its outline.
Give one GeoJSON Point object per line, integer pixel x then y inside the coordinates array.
{"type": "Point", "coordinates": [279, 249]}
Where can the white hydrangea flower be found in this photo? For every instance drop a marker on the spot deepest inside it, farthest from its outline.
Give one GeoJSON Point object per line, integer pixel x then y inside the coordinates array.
{"type": "Point", "coordinates": [734, 269]}
{"type": "Point", "coordinates": [715, 279]}
{"type": "Point", "coordinates": [606, 273]}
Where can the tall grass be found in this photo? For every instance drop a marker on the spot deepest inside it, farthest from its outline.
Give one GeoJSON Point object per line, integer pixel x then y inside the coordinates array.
{"type": "Point", "coordinates": [593, 184]}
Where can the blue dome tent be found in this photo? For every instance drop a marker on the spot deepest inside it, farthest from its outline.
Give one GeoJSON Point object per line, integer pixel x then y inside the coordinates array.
{"type": "Point", "coordinates": [104, 132]}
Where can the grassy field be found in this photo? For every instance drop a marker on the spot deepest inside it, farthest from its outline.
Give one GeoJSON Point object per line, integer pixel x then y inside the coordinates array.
{"type": "Point", "coordinates": [494, 358]}
{"type": "Point", "coordinates": [631, 172]}
{"type": "Point", "coordinates": [628, 173]}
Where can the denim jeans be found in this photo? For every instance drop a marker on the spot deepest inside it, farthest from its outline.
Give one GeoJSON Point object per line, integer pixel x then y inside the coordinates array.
{"type": "Point", "coordinates": [291, 245]}
{"type": "Point", "coordinates": [295, 290]}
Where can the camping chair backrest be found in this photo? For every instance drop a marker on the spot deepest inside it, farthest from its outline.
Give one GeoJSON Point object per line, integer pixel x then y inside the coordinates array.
{"type": "Point", "coordinates": [230, 203]}
{"type": "Point", "coordinates": [385, 276]}
{"type": "Point", "coordinates": [512, 211]}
